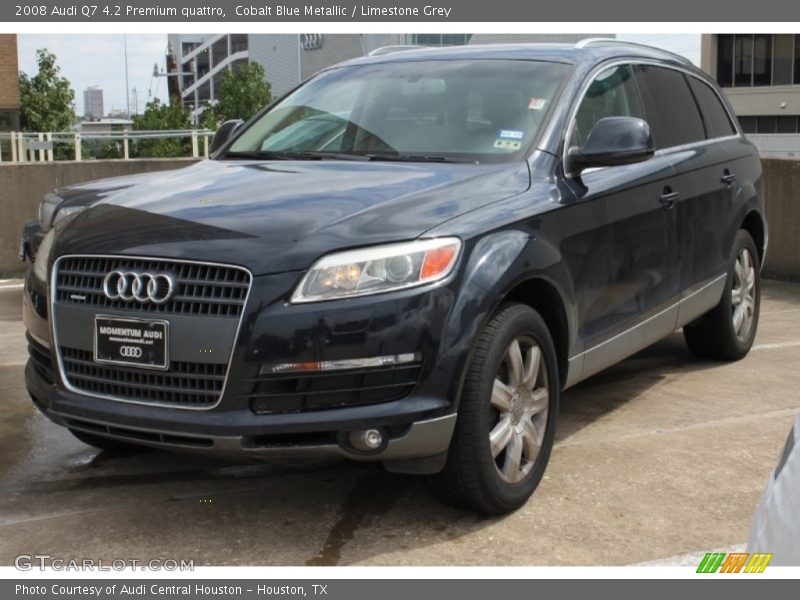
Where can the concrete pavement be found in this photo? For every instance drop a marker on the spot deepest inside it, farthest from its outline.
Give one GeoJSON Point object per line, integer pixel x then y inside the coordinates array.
{"type": "Point", "coordinates": [659, 456]}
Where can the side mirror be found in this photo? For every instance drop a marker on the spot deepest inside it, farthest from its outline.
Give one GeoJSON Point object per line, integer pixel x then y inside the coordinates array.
{"type": "Point", "coordinates": [612, 141]}
{"type": "Point", "coordinates": [223, 134]}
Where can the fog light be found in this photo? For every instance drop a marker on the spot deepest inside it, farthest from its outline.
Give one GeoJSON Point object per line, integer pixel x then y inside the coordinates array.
{"type": "Point", "coordinates": [367, 440]}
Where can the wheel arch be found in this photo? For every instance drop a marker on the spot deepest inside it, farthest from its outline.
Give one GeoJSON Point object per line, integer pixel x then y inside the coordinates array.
{"type": "Point", "coordinates": [753, 223]}
{"type": "Point", "coordinates": [543, 297]}
{"type": "Point", "coordinates": [510, 266]}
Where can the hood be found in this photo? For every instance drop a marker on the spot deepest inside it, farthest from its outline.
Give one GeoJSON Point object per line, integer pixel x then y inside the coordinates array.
{"type": "Point", "coordinates": [274, 216]}
{"type": "Point", "coordinates": [91, 192]}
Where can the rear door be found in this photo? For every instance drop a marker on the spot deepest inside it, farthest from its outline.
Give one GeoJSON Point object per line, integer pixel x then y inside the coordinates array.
{"type": "Point", "coordinates": [698, 144]}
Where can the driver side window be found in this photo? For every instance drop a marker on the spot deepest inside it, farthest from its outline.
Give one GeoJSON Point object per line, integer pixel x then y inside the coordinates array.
{"type": "Point", "coordinates": [613, 93]}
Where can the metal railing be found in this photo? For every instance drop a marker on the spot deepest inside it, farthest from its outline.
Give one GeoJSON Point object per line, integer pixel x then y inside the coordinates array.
{"type": "Point", "coordinates": [776, 145]}
{"type": "Point", "coordinates": [25, 147]}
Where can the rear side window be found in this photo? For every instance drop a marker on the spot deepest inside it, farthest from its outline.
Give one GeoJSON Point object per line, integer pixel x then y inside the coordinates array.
{"type": "Point", "coordinates": [718, 124]}
{"type": "Point", "coordinates": [670, 107]}
{"type": "Point", "coordinates": [613, 93]}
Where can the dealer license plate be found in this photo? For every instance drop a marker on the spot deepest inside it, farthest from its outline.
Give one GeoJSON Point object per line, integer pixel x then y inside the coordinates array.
{"type": "Point", "coordinates": [131, 342]}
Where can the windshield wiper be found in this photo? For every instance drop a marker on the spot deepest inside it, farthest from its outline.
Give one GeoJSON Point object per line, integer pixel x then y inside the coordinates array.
{"type": "Point", "coordinates": [288, 155]}
{"type": "Point", "coordinates": [389, 156]}
{"type": "Point", "coordinates": [376, 156]}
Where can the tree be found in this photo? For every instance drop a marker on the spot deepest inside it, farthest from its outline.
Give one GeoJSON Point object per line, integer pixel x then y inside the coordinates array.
{"type": "Point", "coordinates": [46, 99]}
{"type": "Point", "coordinates": [243, 91]}
{"type": "Point", "coordinates": [158, 116]}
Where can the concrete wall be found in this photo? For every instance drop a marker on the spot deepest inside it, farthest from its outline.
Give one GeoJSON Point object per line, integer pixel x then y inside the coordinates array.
{"type": "Point", "coordinates": [279, 54]}
{"type": "Point", "coordinates": [778, 100]}
{"type": "Point", "coordinates": [782, 192]}
{"type": "Point", "coordinates": [9, 80]}
{"type": "Point", "coordinates": [708, 52]}
{"type": "Point", "coordinates": [9, 83]}
{"type": "Point", "coordinates": [22, 187]}
{"type": "Point", "coordinates": [777, 145]}
{"type": "Point", "coordinates": [335, 49]}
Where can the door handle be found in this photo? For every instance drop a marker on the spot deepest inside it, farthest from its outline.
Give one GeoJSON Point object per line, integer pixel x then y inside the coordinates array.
{"type": "Point", "coordinates": [728, 177]}
{"type": "Point", "coordinates": [668, 198]}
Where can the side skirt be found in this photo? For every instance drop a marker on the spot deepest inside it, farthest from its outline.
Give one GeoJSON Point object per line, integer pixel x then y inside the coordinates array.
{"type": "Point", "coordinates": [693, 305]}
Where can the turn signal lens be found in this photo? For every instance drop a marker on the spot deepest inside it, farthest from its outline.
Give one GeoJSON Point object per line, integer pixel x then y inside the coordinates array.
{"type": "Point", "coordinates": [341, 365]}
{"type": "Point", "coordinates": [43, 256]}
{"type": "Point", "coordinates": [437, 261]}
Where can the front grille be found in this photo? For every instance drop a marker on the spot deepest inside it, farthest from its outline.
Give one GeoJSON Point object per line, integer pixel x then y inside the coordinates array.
{"type": "Point", "coordinates": [200, 289]}
{"type": "Point", "coordinates": [186, 384]}
{"type": "Point", "coordinates": [331, 389]}
{"type": "Point", "coordinates": [40, 358]}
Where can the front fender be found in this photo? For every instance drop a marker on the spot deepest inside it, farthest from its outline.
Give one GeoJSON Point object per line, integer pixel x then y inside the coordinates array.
{"type": "Point", "coordinates": [498, 263]}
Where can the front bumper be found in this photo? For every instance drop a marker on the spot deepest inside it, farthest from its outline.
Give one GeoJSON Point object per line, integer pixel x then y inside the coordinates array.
{"type": "Point", "coordinates": [418, 425]}
{"type": "Point", "coordinates": [307, 435]}
{"type": "Point", "coordinates": [411, 434]}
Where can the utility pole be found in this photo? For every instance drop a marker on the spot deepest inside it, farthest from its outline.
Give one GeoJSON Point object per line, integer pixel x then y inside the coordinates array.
{"type": "Point", "coordinates": [174, 84]}
{"type": "Point", "coordinates": [127, 88]}
{"type": "Point", "coordinates": [135, 95]}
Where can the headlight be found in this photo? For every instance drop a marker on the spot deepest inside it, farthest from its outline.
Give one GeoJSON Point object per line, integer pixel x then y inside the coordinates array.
{"type": "Point", "coordinates": [47, 208]}
{"type": "Point", "coordinates": [43, 256]}
{"type": "Point", "coordinates": [378, 269]}
{"type": "Point", "coordinates": [67, 211]}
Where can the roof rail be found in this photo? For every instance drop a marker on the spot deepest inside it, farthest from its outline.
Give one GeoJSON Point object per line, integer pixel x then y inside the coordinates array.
{"type": "Point", "coordinates": [613, 41]}
{"type": "Point", "coordinates": [392, 49]}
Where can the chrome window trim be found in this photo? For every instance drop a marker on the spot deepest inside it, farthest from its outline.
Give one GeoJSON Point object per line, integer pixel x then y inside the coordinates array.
{"type": "Point", "coordinates": [57, 346]}
{"type": "Point", "coordinates": [633, 62]}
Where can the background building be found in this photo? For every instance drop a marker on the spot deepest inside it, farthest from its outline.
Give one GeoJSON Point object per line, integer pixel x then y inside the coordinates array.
{"type": "Point", "coordinates": [290, 59]}
{"type": "Point", "coordinates": [104, 125]}
{"type": "Point", "coordinates": [9, 83]}
{"type": "Point", "coordinates": [93, 102]}
{"type": "Point", "coordinates": [760, 74]}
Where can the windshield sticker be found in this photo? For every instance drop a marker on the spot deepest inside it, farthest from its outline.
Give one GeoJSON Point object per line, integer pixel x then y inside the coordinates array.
{"type": "Point", "coordinates": [507, 144]}
{"type": "Point", "coordinates": [510, 134]}
{"type": "Point", "coordinates": [537, 103]}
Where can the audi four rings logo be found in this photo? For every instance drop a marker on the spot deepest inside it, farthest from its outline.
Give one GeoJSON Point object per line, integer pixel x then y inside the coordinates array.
{"type": "Point", "coordinates": [130, 351]}
{"type": "Point", "coordinates": [130, 286]}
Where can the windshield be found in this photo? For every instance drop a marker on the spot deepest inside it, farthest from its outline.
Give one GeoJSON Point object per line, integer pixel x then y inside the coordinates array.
{"type": "Point", "coordinates": [476, 110]}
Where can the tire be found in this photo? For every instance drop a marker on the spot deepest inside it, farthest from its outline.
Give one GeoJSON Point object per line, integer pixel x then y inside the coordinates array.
{"type": "Point", "coordinates": [473, 477]}
{"type": "Point", "coordinates": [107, 444]}
{"type": "Point", "coordinates": [716, 335]}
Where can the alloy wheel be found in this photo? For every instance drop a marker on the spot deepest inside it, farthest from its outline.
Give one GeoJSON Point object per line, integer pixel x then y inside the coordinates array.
{"type": "Point", "coordinates": [743, 294]}
{"type": "Point", "coordinates": [520, 400]}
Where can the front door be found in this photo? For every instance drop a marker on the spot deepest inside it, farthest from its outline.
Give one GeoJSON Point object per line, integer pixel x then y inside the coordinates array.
{"type": "Point", "coordinates": [622, 249]}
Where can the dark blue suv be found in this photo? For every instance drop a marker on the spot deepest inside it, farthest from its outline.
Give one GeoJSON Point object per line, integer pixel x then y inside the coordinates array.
{"type": "Point", "coordinates": [405, 260]}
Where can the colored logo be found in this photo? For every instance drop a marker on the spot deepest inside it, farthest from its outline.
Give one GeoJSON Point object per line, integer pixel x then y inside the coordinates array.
{"type": "Point", "coordinates": [510, 134]}
{"type": "Point", "coordinates": [734, 562]}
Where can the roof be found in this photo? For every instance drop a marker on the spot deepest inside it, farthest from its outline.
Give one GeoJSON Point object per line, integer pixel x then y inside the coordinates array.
{"type": "Point", "coordinates": [590, 50]}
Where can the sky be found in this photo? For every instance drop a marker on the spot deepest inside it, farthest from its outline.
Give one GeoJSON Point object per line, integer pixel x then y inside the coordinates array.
{"type": "Point", "coordinates": [88, 60]}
